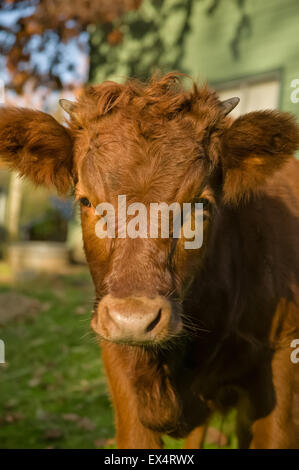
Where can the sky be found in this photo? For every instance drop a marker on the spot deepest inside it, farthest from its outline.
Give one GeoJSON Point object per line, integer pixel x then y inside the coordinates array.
{"type": "Point", "coordinates": [70, 54]}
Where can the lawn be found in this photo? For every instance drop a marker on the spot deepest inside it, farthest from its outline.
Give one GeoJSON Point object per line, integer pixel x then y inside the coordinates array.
{"type": "Point", "coordinates": [53, 392]}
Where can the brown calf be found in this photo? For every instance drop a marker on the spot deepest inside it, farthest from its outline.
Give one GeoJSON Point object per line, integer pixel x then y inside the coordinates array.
{"type": "Point", "coordinates": [183, 332]}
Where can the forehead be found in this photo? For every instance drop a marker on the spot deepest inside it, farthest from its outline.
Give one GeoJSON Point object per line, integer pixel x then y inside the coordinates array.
{"type": "Point", "coordinates": [123, 153]}
{"type": "Point", "coordinates": [142, 139]}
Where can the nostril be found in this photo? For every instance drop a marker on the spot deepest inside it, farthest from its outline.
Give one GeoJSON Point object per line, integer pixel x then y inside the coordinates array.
{"type": "Point", "coordinates": [152, 324]}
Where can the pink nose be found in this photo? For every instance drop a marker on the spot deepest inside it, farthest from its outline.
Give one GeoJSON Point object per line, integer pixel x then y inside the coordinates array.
{"type": "Point", "coordinates": [135, 319]}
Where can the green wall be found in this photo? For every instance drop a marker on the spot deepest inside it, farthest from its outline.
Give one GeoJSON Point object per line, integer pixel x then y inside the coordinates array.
{"type": "Point", "coordinates": [218, 40]}
{"type": "Point", "coordinates": [268, 41]}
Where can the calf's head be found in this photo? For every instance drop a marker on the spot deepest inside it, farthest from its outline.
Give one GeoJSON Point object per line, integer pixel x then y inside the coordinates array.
{"type": "Point", "coordinates": [152, 143]}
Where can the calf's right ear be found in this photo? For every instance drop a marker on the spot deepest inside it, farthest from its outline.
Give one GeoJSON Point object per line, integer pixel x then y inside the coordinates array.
{"type": "Point", "coordinates": [37, 146]}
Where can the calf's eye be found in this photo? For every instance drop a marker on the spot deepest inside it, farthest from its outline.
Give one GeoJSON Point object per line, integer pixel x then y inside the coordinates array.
{"type": "Point", "coordinates": [85, 202]}
{"type": "Point", "coordinates": [206, 203]}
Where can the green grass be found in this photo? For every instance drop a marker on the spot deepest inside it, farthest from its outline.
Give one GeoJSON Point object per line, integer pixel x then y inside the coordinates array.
{"type": "Point", "coordinates": [53, 391]}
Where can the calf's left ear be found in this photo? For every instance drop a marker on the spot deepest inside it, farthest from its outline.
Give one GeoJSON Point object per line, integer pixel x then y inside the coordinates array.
{"type": "Point", "coordinates": [255, 146]}
{"type": "Point", "coordinates": [37, 146]}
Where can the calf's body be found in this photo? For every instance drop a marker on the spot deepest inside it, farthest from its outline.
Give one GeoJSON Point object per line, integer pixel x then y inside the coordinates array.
{"type": "Point", "coordinates": [184, 332]}
{"type": "Point", "coordinates": [246, 297]}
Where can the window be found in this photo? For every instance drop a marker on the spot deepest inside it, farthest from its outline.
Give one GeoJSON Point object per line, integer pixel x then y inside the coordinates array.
{"type": "Point", "coordinates": [254, 94]}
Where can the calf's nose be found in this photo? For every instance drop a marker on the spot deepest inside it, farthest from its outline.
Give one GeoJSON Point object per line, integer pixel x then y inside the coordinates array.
{"type": "Point", "coordinates": [134, 319]}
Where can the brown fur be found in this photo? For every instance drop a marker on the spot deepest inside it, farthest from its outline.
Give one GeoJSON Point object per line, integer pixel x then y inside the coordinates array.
{"type": "Point", "coordinates": [237, 296]}
{"type": "Point", "coordinates": [36, 145]}
{"type": "Point", "coordinates": [254, 146]}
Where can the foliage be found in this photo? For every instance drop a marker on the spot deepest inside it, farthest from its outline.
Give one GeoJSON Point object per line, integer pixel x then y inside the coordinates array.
{"type": "Point", "coordinates": [43, 43]}
{"type": "Point", "coordinates": [31, 30]}
{"type": "Point", "coordinates": [152, 40]}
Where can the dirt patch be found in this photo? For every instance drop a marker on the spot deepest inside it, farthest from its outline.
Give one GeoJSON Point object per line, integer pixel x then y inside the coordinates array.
{"type": "Point", "coordinates": [15, 306]}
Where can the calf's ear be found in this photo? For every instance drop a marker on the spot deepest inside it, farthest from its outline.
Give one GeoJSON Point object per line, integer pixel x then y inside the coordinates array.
{"type": "Point", "coordinates": [37, 146]}
{"type": "Point", "coordinates": [255, 146]}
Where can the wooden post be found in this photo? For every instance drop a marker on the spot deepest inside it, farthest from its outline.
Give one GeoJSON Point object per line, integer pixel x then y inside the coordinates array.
{"type": "Point", "coordinates": [13, 207]}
